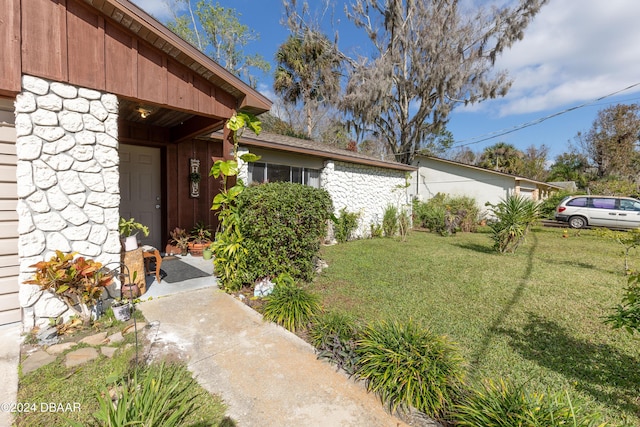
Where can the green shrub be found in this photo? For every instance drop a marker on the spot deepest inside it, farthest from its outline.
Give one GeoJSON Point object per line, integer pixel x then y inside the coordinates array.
{"type": "Point", "coordinates": [156, 396]}
{"type": "Point", "coordinates": [376, 230]}
{"type": "Point", "coordinates": [627, 314]}
{"type": "Point", "coordinates": [514, 216]}
{"type": "Point", "coordinates": [334, 335]}
{"type": "Point", "coordinates": [507, 405]}
{"type": "Point", "coordinates": [290, 305]}
{"type": "Point", "coordinates": [548, 206]}
{"type": "Point", "coordinates": [283, 225]}
{"type": "Point", "coordinates": [445, 214]}
{"type": "Point", "coordinates": [345, 225]}
{"type": "Point", "coordinates": [408, 366]}
{"type": "Point", "coordinates": [390, 221]}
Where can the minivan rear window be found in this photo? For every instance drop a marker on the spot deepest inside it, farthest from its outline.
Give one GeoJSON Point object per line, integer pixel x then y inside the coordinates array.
{"type": "Point", "coordinates": [578, 201]}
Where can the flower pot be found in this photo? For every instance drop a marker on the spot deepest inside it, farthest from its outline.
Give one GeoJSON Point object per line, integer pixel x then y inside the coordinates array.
{"type": "Point", "coordinates": [207, 254]}
{"type": "Point", "coordinates": [121, 312]}
{"type": "Point", "coordinates": [195, 249]}
{"type": "Point", "coordinates": [130, 291]}
{"type": "Point", "coordinates": [131, 243]}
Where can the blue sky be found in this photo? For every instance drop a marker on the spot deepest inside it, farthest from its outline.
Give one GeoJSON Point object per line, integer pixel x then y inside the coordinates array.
{"type": "Point", "coordinates": [573, 53]}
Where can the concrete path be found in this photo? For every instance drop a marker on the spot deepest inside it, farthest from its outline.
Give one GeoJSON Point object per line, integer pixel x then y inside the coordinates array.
{"type": "Point", "coordinates": [266, 375]}
{"type": "Point", "coordinates": [9, 358]}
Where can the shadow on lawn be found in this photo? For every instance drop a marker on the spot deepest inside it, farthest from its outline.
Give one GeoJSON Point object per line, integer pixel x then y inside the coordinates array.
{"type": "Point", "coordinates": [485, 249]}
{"type": "Point", "coordinates": [604, 372]}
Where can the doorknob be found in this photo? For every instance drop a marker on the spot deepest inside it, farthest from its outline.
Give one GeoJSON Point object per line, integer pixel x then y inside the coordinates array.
{"type": "Point", "coordinates": [157, 206]}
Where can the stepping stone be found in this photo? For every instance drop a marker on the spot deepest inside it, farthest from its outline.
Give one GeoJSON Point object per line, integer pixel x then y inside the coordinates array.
{"type": "Point", "coordinates": [80, 356]}
{"type": "Point", "coordinates": [108, 351]}
{"type": "Point", "coordinates": [59, 348]}
{"type": "Point", "coordinates": [115, 338]}
{"type": "Point", "coordinates": [37, 360]}
{"type": "Point", "coordinates": [96, 339]}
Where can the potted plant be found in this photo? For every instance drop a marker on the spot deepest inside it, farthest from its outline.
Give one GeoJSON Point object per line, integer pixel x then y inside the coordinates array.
{"type": "Point", "coordinates": [180, 239]}
{"type": "Point", "coordinates": [121, 308]}
{"type": "Point", "coordinates": [200, 238]}
{"type": "Point", "coordinates": [127, 228]}
{"type": "Point", "coordinates": [78, 282]}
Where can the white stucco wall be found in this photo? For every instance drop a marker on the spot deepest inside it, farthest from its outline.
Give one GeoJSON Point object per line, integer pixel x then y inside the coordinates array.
{"type": "Point", "coordinates": [367, 190]}
{"type": "Point", "coordinates": [433, 177]}
{"type": "Point", "coordinates": [68, 182]}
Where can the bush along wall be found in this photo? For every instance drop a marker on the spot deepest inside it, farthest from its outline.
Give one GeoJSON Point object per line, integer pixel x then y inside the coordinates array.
{"type": "Point", "coordinates": [283, 224]}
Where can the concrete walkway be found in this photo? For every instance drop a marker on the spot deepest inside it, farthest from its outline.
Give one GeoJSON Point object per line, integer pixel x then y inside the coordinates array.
{"type": "Point", "coordinates": [266, 375]}
{"type": "Point", "coordinates": [9, 358]}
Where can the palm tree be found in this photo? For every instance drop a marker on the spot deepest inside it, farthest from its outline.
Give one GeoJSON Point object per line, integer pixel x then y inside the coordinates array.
{"type": "Point", "coordinates": [309, 71]}
{"type": "Point", "coordinates": [502, 157]}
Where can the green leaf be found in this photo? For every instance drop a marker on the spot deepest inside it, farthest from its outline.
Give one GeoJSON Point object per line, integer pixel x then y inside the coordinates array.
{"type": "Point", "coordinates": [236, 122]}
{"type": "Point", "coordinates": [229, 167]}
{"type": "Point", "coordinates": [250, 157]}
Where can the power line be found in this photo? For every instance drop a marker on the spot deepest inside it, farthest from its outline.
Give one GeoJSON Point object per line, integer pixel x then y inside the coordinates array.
{"type": "Point", "coordinates": [537, 121]}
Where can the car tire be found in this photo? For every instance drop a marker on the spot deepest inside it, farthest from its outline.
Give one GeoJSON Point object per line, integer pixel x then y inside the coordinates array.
{"type": "Point", "coordinates": [577, 222]}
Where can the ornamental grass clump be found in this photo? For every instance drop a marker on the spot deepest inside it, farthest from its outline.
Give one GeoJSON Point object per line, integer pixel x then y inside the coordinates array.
{"type": "Point", "coordinates": [505, 404]}
{"type": "Point", "coordinates": [155, 396]}
{"type": "Point", "coordinates": [289, 305]}
{"type": "Point", "coordinates": [409, 367]}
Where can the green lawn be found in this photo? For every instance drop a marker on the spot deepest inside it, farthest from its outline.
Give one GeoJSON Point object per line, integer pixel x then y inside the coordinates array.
{"type": "Point", "coordinates": [533, 316]}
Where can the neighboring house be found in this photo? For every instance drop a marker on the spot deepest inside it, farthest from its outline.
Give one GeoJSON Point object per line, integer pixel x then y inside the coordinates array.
{"type": "Point", "coordinates": [101, 108]}
{"type": "Point", "coordinates": [435, 175]}
{"type": "Point", "coordinates": [355, 182]}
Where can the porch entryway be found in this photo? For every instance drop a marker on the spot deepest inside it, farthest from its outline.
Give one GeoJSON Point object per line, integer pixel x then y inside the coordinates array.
{"type": "Point", "coordinates": [141, 190]}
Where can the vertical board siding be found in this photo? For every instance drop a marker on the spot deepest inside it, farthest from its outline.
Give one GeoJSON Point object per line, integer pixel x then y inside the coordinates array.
{"type": "Point", "coordinates": [9, 266]}
{"type": "Point", "coordinates": [86, 47]}
{"type": "Point", "coordinates": [11, 64]}
{"type": "Point", "coordinates": [44, 34]}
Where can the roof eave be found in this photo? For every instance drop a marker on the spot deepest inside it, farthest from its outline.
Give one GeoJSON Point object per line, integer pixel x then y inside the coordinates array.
{"type": "Point", "coordinates": [248, 98]}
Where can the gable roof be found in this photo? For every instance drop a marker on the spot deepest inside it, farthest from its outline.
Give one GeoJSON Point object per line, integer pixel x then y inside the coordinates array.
{"type": "Point", "coordinates": [317, 149]}
{"type": "Point", "coordinates": [152, 31]}
{"type": "Point", "coordinates": [478, 168]}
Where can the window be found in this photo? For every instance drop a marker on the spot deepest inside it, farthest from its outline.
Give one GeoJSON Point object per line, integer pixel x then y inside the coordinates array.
{"type": "Point", "coordinates": [578, 201]}
{"type": "Point", "coordinates": [629, 205]}
{"type": "Point", "coordinates": [603, 203]}
{"type": "Point", "coordinates": [270, 172]}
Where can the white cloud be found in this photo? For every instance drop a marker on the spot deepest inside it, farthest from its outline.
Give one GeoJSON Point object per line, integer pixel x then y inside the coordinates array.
{"type": "Point", "coordinates": [159, 9]}
{"type": "Point", "coordinates": [574, 51]}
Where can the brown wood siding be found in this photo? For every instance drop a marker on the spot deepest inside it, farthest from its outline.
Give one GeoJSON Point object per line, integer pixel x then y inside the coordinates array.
{"type": "Point", "coordinates": [120, 61]}
{"type": "Point", "coordinates": [9, 266]}
{"type": "Point", "coordinates": [86, 46]}
{"type": "Point", "coordinates": [69, 41]}
{"type": "Point", "coordinates": [11, 63]}
{"type": "Point", "coordinates": [44, 33]}
{"type": "Point", "coordinates": [189, 210]}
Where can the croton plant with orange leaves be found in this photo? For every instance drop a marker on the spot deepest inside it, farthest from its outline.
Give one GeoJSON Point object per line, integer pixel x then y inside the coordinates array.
{"type": "Point", "coordinates": [77, 281]}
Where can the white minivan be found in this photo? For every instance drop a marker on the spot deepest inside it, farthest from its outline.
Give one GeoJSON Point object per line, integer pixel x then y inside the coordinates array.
{"type": "Point", "coordinates": [599, 211]}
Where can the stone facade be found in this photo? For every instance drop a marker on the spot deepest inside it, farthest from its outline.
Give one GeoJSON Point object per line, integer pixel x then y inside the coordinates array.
{"type": "Point", "coordinates": [68, 182]}
{"type": "Point", "coordinates": [367, 190]}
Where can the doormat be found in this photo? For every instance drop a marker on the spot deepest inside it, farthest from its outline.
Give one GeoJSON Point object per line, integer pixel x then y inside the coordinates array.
{"type": "Point", "coordinates": [173, 270]}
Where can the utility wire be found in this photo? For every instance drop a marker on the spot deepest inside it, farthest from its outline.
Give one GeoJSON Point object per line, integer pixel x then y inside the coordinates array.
{"type": "Point", "coordinates": [536, 121]}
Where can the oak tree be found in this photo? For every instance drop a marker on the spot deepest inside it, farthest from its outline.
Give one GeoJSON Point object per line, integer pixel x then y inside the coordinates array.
{"type": "Point", "coordinates": [429, 57]}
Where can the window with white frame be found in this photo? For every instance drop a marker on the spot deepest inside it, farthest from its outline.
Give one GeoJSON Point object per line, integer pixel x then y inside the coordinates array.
{"type": "Point", "coordinates": [271, 172]}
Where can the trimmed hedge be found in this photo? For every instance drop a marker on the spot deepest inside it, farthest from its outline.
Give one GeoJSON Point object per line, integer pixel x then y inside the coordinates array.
{"type": "Point", "coordinates": [283, 224]}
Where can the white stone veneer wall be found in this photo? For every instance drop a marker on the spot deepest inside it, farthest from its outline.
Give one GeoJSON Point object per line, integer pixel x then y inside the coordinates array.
{"type": "Point", "coordinates": [68, 182]}
{"type": "Point", "coordinates": [367, 190]}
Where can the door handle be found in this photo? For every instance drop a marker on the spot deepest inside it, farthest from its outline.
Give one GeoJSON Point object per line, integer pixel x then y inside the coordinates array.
{"type": "Point", "coordinates": [622, 214]}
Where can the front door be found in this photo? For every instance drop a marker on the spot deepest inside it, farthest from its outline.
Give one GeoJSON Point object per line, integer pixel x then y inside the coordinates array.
{"type": "Point", "coordinates": [140, 189]}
